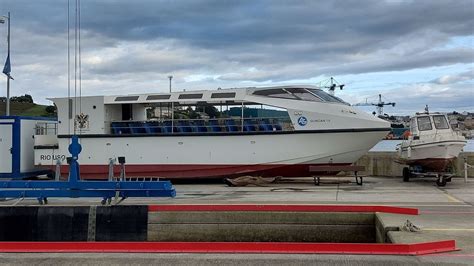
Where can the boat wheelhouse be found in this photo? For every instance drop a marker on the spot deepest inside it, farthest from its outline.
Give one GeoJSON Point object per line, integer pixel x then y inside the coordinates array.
{"type": "Point", "coordinates": [267, 131]}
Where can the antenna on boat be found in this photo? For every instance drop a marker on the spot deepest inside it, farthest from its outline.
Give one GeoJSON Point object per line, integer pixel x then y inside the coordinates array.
{"type": "Point", "coordinates": [331, 84]}
{"type": "Point", "coordinates": [73, 112]}
{"type": "Point", "coordinates": [69, 70]}
{"type": "Point", "coordinates": [170, 78]}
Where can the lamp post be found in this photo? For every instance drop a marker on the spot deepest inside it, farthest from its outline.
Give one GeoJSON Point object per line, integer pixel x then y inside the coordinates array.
{"type": "Point", "coordinates": [170, 77]}
{"type": "Point", "coordinates": [2, 20]}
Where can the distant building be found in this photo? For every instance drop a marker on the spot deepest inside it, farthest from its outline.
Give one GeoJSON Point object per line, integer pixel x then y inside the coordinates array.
{"type": "Point", "coordinates": [469, 122]}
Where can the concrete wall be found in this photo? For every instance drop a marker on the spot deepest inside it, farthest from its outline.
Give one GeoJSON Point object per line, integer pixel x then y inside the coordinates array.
{"type": "Point", "coordinates": [242, 226]}
{"type": "Point", "coordinates": [383, 164]}
{"type": "Point", "coordinates": [73, 223]}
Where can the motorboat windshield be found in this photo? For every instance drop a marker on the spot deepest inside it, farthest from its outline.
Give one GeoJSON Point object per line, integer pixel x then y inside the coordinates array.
{"type": "Point", "coordinates": [429, 122]}
{"type": "Point", "coordinates": [304, 94]}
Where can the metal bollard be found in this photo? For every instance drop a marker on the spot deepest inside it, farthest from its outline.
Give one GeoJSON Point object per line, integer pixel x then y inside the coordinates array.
{"type": "Point", "coordinates": [57, 174]}
{"type": "Point", "coordinates": [122, 168]}
{"type": "Point", "coordinates": [111, 169]}
{"type": "Point", "coordinates": [466, 167]}
{"type": "Point", "coordinates": [465, 170]}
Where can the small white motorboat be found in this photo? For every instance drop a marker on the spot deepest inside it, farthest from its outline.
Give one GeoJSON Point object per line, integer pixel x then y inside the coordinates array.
{"type": "Point", "coordinates": [431, 146]}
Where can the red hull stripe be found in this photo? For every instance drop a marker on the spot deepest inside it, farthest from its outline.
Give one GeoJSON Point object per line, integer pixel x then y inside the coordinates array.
{"type": "Point", "coordinates": [196, 170]}
{"type": "Point", "coordinates": [289, 208]}
{"type": "Point", "coordinates": [229, 247]}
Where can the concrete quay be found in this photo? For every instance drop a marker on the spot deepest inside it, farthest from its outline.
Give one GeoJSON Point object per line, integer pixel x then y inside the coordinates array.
{"type": "Point", "coordinates": [384, 164]}
{"type": "Point", "coordinates": [445, 213]}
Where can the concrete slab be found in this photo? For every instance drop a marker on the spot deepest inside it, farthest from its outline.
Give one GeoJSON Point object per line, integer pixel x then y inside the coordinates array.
{"type": "Point", "coordinates": [439, 225]}
{"type": "Point", "coordinates": [224, 259]}
{"type": "Point", "coordinates": [446, 213]}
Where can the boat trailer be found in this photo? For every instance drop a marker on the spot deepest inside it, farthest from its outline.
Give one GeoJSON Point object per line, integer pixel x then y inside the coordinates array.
{"type": "Point", "coordinates": [417, 171]}
{"type": "Point", "coordinates": [74, 187]}
{"type": "Point", "coordinates": [332, 170]}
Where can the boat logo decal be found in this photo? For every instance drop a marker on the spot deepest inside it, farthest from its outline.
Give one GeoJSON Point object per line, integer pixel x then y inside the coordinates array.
{"type": "Point", "coordinates": [82, 120]}
{"type": "Point", "coordinates": [302, 121]}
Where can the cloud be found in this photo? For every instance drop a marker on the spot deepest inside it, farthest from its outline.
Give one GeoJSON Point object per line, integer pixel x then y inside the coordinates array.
{"type": "Point", "coordinates": [440, 97]}
{"type": "Point", "coordinates": [450, 79]}
{"type": "Point", "coordinates": [134, 45]}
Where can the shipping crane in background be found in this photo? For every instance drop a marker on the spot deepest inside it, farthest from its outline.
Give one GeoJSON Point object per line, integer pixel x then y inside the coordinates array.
{"type": "Point", "coordinates": [379, 105]}
{"type": "Point", "coordinates": [331, 84]}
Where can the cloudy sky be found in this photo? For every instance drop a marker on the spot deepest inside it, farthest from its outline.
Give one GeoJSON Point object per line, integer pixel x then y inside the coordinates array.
{"type": "Point", "coordinates": [412, 52]}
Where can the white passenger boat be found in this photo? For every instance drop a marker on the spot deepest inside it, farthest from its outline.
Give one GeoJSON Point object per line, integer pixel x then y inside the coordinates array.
{"type": "Point", "coordinates": [432, 143]}
{"type": "Point", "coordinates": [268, 131]}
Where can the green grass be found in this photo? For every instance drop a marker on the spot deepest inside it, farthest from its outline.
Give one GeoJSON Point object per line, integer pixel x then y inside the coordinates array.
{"type": "Point", "coordinates": [25, 109]}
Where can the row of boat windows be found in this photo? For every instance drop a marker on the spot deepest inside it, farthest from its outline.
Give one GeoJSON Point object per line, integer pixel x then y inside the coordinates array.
{"type": "Point", "coordinates": [186, 96]}
{"type": "Point", "coordinates": [195, 126]}
{"type": "Point", "coordinates": [424, 122]}
{"type": "Point", "coordinates": [304, 94]}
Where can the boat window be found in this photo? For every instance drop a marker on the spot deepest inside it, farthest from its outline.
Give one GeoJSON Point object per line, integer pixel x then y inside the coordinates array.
{"type": "Point", "coordinates": [326, 96]}
{"type": "Point", "coordinates": [440, 122]}
{"type": "Point", "coordinates": [413, 127]}
{"type": "Point", "coordinates": [276, 93]}
{"type": "Point", "coordinates": [424, 123]}
{"type": "Point", "coordinates": [126, 98]}
{"type": "Point", "coordinates": [223, 95]}
{"type": "Point", "coordinates": [304, 94]}
{"type": "Point", "coordinates": [190, 96]}
{"type": "Point", "coordinates": [158, 97]}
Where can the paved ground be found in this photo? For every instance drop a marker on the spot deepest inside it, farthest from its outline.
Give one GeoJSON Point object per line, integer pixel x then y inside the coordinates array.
{"type": "Point", "coordinates": [446, 213]}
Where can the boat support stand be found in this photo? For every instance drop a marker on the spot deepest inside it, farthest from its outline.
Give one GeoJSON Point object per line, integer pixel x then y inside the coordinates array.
{"type": "Point", "coordinates": [74, 187]}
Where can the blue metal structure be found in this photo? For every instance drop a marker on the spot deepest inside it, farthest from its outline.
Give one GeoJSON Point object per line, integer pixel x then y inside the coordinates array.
{"type": "Point", "coordinates": [15, 122]}
{"type": "Point", "coordinates": [75, 188]}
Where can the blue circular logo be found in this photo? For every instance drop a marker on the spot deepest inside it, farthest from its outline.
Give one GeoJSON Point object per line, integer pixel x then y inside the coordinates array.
{"type": "Point", "coordinates": [302, 121]}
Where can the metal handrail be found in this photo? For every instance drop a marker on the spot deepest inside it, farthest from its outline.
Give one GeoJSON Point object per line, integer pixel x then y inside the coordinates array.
{"type": "Point", "coordinates": [46, 128]}
{"type": "Point", "coordinates": [466, 167]}
{"type": "Point", "coordinates": [190, 126]}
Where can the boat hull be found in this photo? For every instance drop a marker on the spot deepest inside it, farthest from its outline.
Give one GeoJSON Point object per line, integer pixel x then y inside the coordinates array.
{"type": "Point", "coordinates": [199, 171]}
{"type": "Point", "coordinates": [284, 155]}
{"type": "Point", "coordinates": [432, 156]}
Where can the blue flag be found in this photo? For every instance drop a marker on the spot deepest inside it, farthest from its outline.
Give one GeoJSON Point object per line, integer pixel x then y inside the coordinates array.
{"type": "Point", "coordinates": [7, 68]}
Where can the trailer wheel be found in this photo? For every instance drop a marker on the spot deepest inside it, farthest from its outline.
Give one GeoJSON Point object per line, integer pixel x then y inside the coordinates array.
{"type": "Point", "coordinates": [406, 174]}
{"type": "Point", "coordinates": [441, 182]}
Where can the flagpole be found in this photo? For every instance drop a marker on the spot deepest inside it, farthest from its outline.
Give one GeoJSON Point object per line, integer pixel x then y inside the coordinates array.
{"type": "Point", "coordinates": [8, 76]}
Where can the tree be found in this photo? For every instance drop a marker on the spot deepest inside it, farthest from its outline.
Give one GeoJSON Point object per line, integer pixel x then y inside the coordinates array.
{"type": "Point", "coordinates": [51, 109]}
{"type": "Point", "coordinates": [209, 109]}
{"type": "Point", "coordinates": [22, 99]}
{"type": "Point", "coordinates": [192, 114]}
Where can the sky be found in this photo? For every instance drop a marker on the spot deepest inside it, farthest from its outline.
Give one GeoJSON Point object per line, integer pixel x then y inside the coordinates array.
{"type": "Point", "coordinates": [412, 52]}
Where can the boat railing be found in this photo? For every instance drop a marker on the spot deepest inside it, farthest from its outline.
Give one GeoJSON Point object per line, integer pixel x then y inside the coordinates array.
{"type": "Point", "coordinates": [46, 128]}
{"type": "Point", "coordinates": [201, 126]}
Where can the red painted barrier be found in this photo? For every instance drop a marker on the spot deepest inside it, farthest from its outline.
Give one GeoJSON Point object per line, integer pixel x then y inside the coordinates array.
{"type": "Point", "coordinates": [288, 208]}
{"type": "Point", "coordinates": [228, 247]}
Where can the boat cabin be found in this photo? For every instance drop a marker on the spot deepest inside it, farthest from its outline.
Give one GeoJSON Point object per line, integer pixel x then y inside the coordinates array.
{"type": "Point", "coordinates": [429, 123]}
{"type": "Point", "coordinates": [268, 109]}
